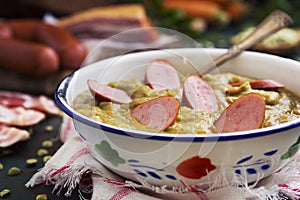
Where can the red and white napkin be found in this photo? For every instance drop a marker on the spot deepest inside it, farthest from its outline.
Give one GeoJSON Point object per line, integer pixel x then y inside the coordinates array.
{"type": "Point", "coordinates": [67, 170]}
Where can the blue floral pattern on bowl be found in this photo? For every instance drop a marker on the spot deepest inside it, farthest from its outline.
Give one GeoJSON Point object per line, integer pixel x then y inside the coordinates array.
{"type": "Point", "coordinates": [149, 171]}
{"type": "Point", "coordinates": [247, 166]}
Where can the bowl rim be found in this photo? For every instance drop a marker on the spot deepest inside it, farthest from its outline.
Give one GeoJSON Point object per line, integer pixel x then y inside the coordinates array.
{"type": "Point", "coordinates": [61, 101]}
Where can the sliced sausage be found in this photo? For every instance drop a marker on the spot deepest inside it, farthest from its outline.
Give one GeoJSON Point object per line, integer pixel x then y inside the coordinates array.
{"type": "Point", "coordinates": [198, 95]}
{"type": "Point", "coordinates": [161, 75]}
{"type": "Point", "coordinates": [26, 57]}
{"type": "Point", "coordinates": [105, 92]}
{"type": "Point", "coordinates": [157, 113]}
{"type": "Point", "coordinates": [262, 84]}
{"type": "Point", "coordinates": [71, 51]}
{"type": "Point", "coordinates": [246, 113]}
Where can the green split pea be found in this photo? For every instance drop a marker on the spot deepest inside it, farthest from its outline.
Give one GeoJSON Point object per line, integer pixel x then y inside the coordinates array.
{"type": "Point", "coordinates": [13, 171]}
{"type": "Point", "coordinates": [4, 192]}
{"type": "Point", "coordinates": [41, 197]}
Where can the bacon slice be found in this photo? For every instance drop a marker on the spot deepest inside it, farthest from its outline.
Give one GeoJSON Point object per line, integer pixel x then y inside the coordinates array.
{"type": "Point", "coordinates": [40, 103]}
{"type": "Point", "coordinates": [11, 135]}
{"type": "Point", "coordinates": [18, 116]}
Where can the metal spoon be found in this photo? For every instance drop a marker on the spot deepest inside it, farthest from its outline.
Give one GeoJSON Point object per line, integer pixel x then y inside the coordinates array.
{"type": "Point", "coordinates": [273, 23]}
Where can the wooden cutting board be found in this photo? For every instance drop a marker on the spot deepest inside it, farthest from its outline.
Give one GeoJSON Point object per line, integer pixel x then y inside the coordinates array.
{"type": "Point", "coordinates": [46, 85]}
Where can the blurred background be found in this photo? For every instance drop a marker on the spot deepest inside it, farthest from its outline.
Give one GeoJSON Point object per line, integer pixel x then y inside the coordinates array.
{"type": "Point", "coordinates": [251, 10]}
{"type": "Point", "coordinates": [212, 23]}
{"type": "Point", "coordinates": [216, 24]}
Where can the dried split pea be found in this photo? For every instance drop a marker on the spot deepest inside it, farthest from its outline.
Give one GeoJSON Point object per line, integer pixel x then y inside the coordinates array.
{"type": "Point", "coordinates": [46, 158]}
{"type": "Point", "coordinates": [42, 152]}
{"type": "Point", "coordinates": [47, 144]}
{"type": "Point", "coordinates": [31, 161]}
{"type": "Point", "coordinates": [49, 128]}
{"type": "Point", "coordinates": [13, 171]}
{"type": "Point", "coordinates": [4, 192]}
{"type": "Point", "coordinates": [296, 111]}
{"type": "Point", "coordinates": [41, 197]}
{"type": "Point", "coordinates": [1, 166]}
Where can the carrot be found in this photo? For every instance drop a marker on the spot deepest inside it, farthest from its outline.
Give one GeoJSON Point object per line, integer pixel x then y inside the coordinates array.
{"type": "Point", "coordinates": [237, 10]}
{"type": "Point", "coordinates": [221, 2]}
{"type": "Point", "coordinates": [217, 1]}
{"type": "Point", "coordinates": [209, 10]}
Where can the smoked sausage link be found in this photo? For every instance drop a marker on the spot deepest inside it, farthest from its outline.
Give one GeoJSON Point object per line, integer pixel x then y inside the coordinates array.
{"type": "Point", "coordinates": [5, 31]}
{"type": "Point", "coordinates": [23, 29]}
{"type": "Point", "coordinates": [28, 58]}
{"type": "Point", "coordinates": [71, 51]}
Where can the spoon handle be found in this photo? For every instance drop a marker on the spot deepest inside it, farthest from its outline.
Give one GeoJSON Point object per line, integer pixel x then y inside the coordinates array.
{"type": "Point", "coordinates": [273, 23]}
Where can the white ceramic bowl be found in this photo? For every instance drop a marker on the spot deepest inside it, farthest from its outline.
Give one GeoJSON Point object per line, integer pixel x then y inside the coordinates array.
{"type": "Point", "coordinates": [154, 158]}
